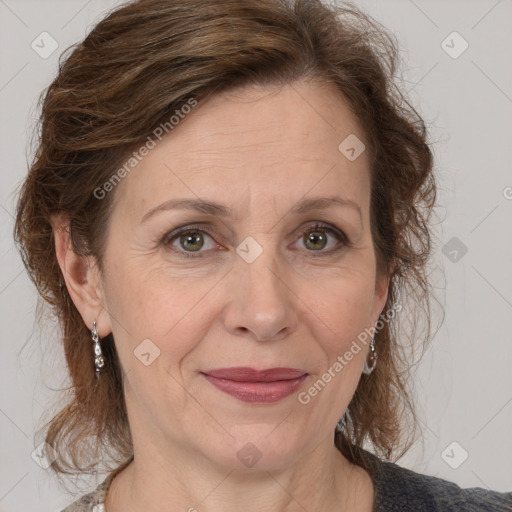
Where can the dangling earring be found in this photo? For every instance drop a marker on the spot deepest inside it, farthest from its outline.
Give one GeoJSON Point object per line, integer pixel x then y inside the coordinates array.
{"type": "Point", "coordinates": [99, 361]}
{"type": "Point", "coordinates": [371, 360]}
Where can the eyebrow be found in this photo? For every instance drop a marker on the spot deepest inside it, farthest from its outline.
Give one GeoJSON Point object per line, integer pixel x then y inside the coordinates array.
{"type": "Point", "coordinates": [220, 210]}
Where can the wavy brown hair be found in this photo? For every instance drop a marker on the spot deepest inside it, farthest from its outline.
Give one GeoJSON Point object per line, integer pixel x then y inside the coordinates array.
{"type": "Point", "coordinates": [133, 70]}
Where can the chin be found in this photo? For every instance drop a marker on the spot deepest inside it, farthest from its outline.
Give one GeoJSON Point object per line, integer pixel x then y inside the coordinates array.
{"type": "Point", "coordinates": [258, 447]}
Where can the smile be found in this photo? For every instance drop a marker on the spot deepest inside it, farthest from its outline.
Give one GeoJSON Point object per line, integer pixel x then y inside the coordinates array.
{"type": "Point", "coordinates": [256, 386]}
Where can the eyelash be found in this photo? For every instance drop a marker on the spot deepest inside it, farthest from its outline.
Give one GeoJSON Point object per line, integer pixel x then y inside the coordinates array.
{"type": "Point", "coordinates": [169, 237]}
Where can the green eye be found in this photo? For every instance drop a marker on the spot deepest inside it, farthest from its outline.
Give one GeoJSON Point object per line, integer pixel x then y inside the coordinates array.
{"type": "Point", "coordinates": [191, 239]}
{"type": "Point", "coordinates": [316, 238]}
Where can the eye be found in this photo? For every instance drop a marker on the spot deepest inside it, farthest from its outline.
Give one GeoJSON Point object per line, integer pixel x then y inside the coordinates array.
{"type": "Point", "coordinates": [190, 240]}
{"type": "Point", "coordinates": [316, 238]}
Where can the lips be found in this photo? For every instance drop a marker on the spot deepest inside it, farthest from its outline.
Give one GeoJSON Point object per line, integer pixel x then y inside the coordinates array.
{"type": "Point", "coordinates": [244, 374]}
{"type": "Point", "coordinates": [250, 385]}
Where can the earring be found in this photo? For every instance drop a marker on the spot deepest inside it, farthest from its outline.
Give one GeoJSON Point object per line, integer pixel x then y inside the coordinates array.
{"type": "Point", "coordinates": [99, 361]}
{"type": "Point", "coordinates": [371, 360]}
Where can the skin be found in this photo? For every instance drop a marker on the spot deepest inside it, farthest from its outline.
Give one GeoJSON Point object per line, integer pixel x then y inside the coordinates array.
{"type": "Point", "coordinates": [258, 151]}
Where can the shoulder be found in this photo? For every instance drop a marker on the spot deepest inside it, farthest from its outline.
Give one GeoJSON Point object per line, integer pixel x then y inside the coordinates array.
{"type": "Point", "coordinates": [399, 489]}
{"type": "Point", "coordinates": [91, 502]}
{"type": "Point", "coordinates": [94, 501]}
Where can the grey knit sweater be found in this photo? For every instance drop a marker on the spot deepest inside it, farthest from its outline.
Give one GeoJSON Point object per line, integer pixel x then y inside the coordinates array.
{"type": "Point", "coordinates": [396, 490]}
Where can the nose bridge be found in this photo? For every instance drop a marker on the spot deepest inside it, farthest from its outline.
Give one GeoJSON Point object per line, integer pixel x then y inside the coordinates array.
{"type": "Point", "coordinates": [259, 266]}
{"type": "Point", "coordinates": [261, 302]}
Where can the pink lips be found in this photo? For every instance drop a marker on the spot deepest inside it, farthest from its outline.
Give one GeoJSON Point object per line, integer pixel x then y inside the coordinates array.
{"type": "Point", "coordinates": [250, 385]}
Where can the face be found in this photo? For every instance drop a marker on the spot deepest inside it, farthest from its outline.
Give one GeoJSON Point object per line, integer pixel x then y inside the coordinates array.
{"type": "Point", "coordinates": [274, 281]}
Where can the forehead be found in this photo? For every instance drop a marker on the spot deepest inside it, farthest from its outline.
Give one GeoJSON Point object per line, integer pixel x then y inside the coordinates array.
{"type": "Point", "coordinates": [265, 144]}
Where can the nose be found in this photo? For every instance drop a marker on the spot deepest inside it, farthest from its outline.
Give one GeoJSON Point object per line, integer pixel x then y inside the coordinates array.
{"type": "Point", "coordinates": [262, 304]}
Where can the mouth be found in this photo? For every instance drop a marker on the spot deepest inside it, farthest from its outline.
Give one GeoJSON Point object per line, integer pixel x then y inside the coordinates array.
{"type": "Point", "coordinates": [256, 386]}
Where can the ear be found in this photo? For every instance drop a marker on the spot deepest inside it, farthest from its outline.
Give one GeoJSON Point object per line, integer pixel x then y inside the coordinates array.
{"type": "Point", "coordinates": [82, 278]}
{"type": "Point", "coordinates": [380, 296]}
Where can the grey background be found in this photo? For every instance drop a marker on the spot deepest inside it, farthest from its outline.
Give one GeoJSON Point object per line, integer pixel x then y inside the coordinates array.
{"type": "Point", "coordinates": [464, 390]}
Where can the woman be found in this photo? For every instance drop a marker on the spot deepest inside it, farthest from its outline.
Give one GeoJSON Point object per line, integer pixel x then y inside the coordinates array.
{"type": "Point", "coordinates": [231, 201]}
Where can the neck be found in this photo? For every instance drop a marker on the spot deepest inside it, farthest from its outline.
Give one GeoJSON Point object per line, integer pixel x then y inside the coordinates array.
{"type": "Point", "coordinates": [165, 481]}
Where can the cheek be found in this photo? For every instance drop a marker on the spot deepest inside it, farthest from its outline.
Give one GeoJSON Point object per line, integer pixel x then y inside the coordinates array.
{"type": "Point", "coordinates": [344, 309]}
{"type": "Point", "coordinates": [339, 316]}
{"type": "Point", "coordinates": [145, 303]}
